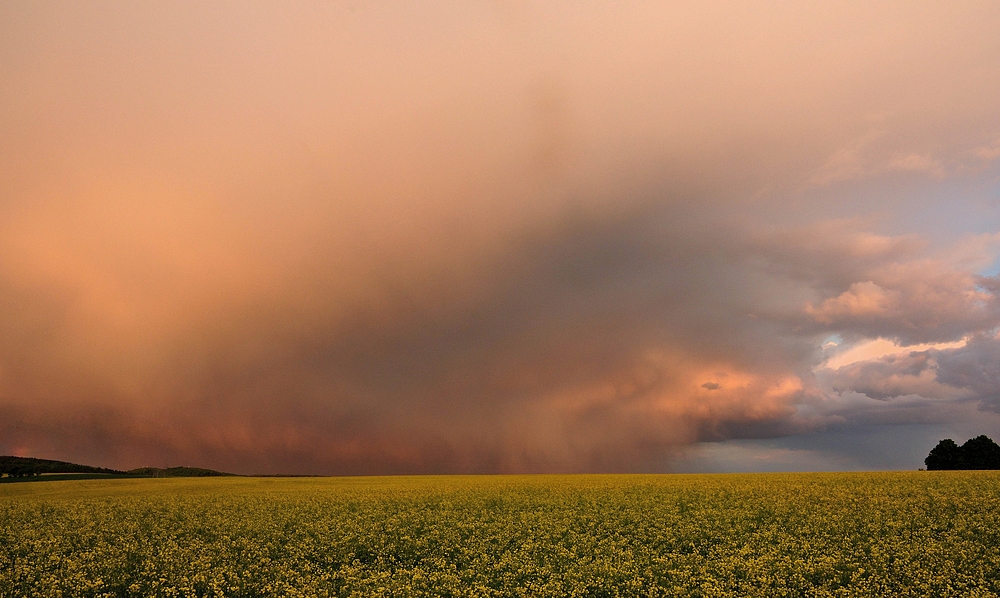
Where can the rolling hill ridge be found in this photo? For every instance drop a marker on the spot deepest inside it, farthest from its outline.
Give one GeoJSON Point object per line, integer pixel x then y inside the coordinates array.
{"type": "Point", "coordinates": [28, 467]}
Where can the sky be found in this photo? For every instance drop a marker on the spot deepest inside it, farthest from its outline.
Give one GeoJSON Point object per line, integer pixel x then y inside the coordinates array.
{"type": "Point", "coordinates": [498, 237]}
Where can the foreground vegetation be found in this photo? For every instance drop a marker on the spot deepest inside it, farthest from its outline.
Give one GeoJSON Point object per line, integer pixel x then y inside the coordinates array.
{"type": "Point", "coordinates": [865, 534]}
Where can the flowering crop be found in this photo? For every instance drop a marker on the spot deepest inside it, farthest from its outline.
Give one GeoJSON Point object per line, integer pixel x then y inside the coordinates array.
{"type": "Point", "coordinates": [856, 534]}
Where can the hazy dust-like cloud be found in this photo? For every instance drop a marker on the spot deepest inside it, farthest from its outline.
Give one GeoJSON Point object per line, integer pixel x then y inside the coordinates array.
{"type": "Point", "coordinates": [439, 238]}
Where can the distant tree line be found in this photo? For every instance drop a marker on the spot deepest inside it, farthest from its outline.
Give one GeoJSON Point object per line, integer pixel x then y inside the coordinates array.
{"type": "Point", "coordinates": [26, 467]}
{"type": "Point", "coordinates": [23, 467]}
{"type": "Point", "coordinates": [977, 453]}
{"type": "Point", "coordinates": [176, 472]}
{"type": "Point", "coordinates": [18, 470]}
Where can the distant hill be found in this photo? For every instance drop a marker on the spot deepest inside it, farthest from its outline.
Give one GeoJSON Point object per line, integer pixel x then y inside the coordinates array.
{"type": "Point", "coordinates": [26, 467]}
{"type": "Point", "coordinates": [176, 472]}
{"type": "Point", "coordinates": [19, 467]}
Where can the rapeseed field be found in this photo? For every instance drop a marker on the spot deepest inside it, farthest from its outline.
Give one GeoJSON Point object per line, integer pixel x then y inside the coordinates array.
{"type": "Point", "coordinates": [851, 534]}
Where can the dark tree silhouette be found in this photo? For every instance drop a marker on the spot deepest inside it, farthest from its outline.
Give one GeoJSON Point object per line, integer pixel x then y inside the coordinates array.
{"type": "Point", "coordinates": [977, 453]}
{"type": "Point", "coordinates": [946, 455]}
{"type": "Point", "coordinates": [981, 453]}
{"type": "Point", "coordinates": [19, 467]}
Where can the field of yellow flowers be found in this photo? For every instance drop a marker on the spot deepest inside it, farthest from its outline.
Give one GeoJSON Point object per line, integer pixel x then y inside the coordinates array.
{"type": "Point", "coordinates": [852, 534]}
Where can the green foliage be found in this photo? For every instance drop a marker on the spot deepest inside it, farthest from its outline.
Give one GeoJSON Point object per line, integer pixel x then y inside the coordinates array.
{"type": "Point", "coordinates": [863, 534]}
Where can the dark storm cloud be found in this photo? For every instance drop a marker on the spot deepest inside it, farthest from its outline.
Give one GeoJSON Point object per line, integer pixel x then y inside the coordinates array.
{"type": "Point", "coordinates": [588, 343]}
{"type": "Point", "coordinates": [592, 342]}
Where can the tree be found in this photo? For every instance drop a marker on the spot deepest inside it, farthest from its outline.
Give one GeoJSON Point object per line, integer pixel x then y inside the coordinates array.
{"type": "Point", "coordinates": [977, 453]}
{"type": "Point", "coordinates": [946, 455]}
{"type": "Point", "coordinates": [981, 453]}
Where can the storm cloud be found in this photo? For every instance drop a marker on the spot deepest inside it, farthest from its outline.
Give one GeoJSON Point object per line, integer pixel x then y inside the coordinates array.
{"type": "Point", "coordinates": [970, 372]}
{"type": "Point", "coordinates": [446, 238]}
